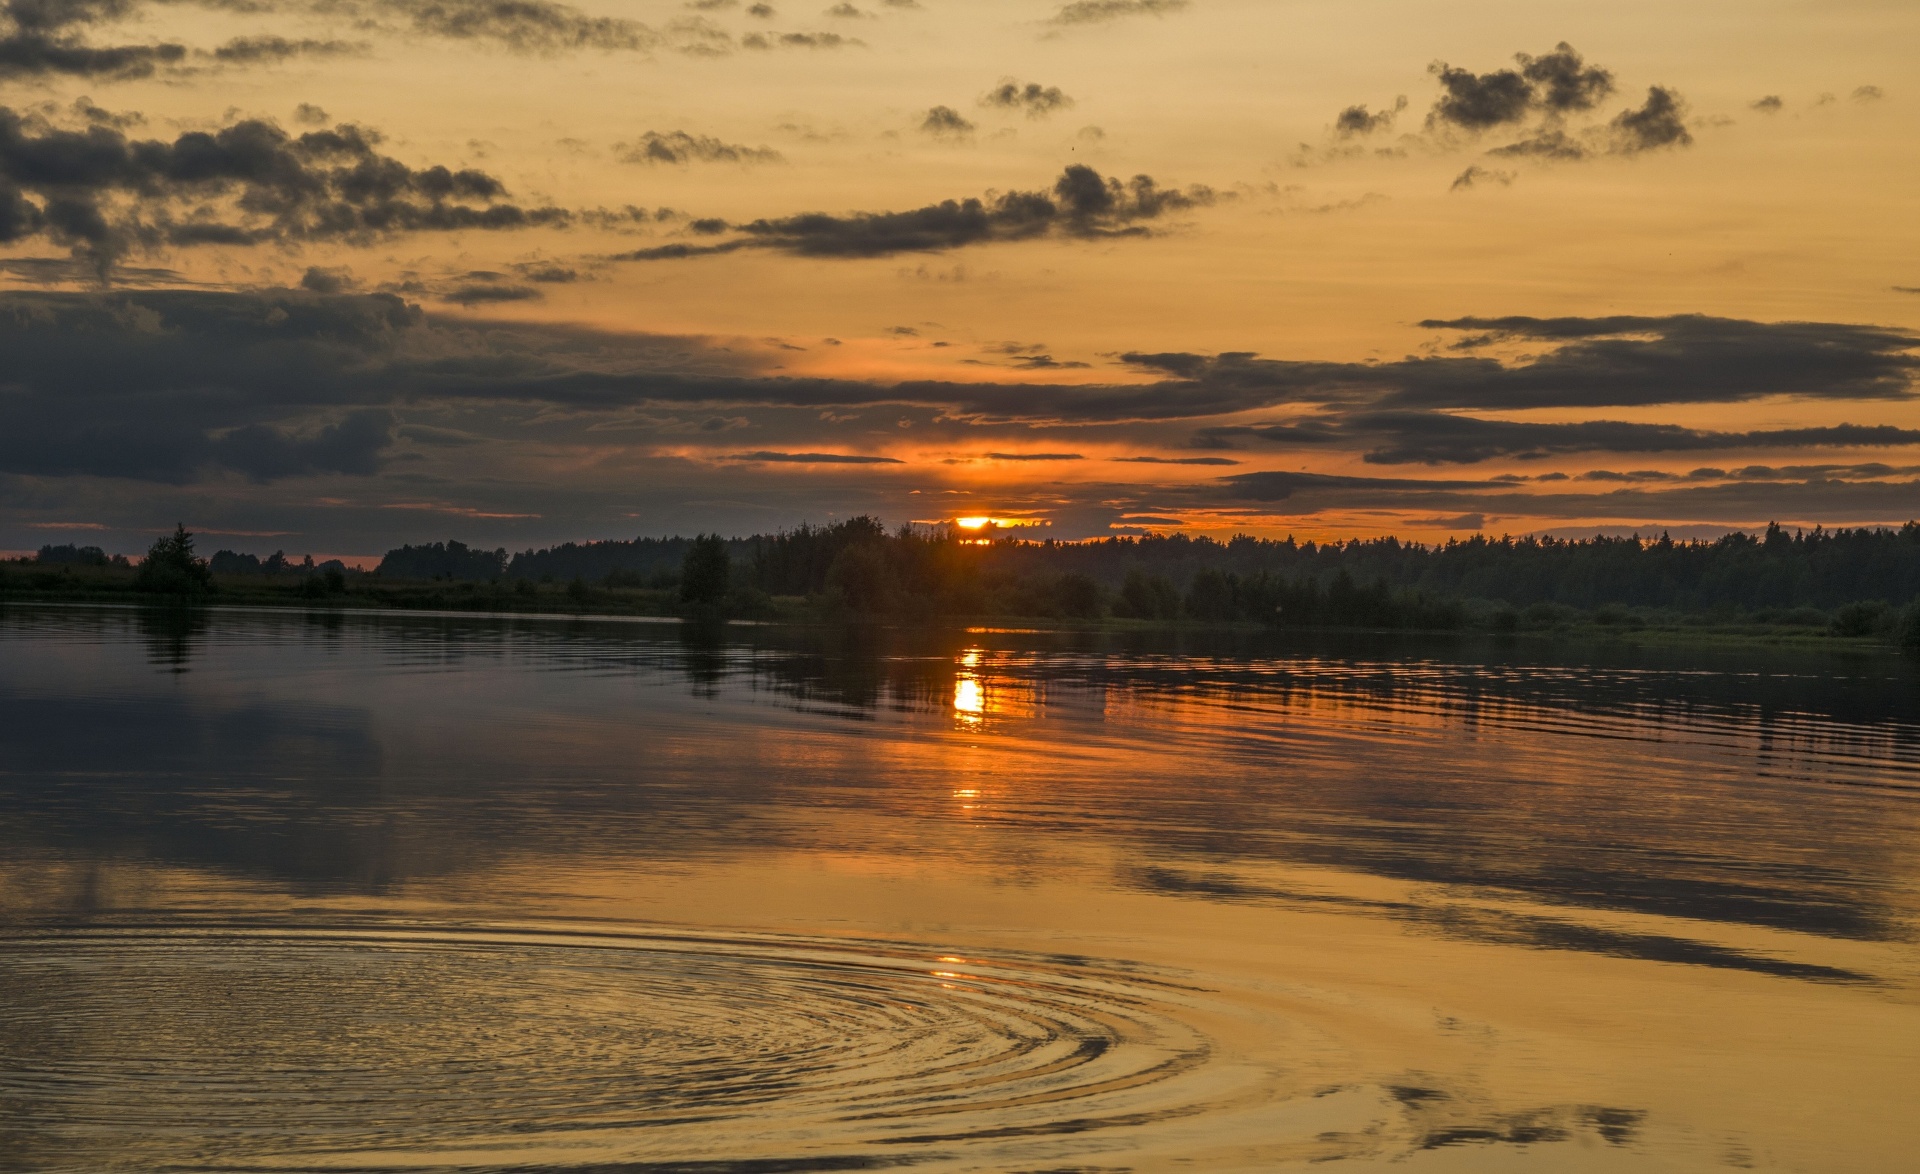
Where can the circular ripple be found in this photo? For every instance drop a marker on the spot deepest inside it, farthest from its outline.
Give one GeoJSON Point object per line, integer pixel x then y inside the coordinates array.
{"type": "Point", "coordinates": [375, 1048]}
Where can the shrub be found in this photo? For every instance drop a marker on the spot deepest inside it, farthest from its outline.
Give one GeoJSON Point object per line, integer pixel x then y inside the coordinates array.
{"type": "Point", "coordinates": [1860, 619]}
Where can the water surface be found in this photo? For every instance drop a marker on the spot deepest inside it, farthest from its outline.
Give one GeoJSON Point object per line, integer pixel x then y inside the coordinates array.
{"type": "Point", "coordinates": [332, 891]}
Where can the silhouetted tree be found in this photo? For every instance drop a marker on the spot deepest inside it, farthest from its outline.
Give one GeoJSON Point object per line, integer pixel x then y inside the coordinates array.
{"type": "Point", "coordinates": [705, 572]}
{"type": "Point", "coordinates": [171, 569]}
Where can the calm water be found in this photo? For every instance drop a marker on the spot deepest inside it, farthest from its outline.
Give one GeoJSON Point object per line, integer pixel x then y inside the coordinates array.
{"type": "Point", "coordinates": [281, 892]}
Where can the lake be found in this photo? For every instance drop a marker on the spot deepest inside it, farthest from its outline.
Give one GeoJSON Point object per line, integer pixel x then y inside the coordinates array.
{"type": "Point", "coordinates": [355, 891]}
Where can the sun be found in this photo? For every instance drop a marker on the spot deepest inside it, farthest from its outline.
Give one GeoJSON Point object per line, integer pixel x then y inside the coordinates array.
{"type": "Point", "coordinates": [973, 523]}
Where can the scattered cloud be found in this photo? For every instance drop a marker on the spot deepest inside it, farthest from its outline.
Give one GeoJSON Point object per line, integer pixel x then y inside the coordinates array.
{"type": "Point", "coordinates": [1082, 204]}
{"type": "Point", "coordinates": [679, 147]}
{"type": "Point", "coordinates": [816, 458]}
{"type": "Point", "coordinates": [1476, 176]}
{"type": "Point", "coordinates": [268, 49]}
{"type": "Point", "coordinates": [1031, 98]}
{"type": "Point", "coordinates": [1357, 120]}
{"type": "Point", "coordinates": [1084, 12]}
{"type": "Point", "coordinates": [944, 122]}
{"type": "Point", "coordinates": [104, 194]}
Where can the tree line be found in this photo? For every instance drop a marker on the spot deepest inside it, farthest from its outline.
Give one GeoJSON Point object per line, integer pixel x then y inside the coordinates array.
{"type": "Point", "coordinates": [1857, 578]}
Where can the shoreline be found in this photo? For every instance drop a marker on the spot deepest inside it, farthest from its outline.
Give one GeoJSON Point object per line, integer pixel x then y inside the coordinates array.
{"type": "Point", "coordinates": [799, 614]}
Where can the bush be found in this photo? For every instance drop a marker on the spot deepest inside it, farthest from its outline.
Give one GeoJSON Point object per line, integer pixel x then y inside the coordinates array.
{"type": "Point", "coordinates": [1860, 619]}
{"type": "Point", "coordinates": [171, 569]}
{"type": "Point", "coordinates": [1906, 632]}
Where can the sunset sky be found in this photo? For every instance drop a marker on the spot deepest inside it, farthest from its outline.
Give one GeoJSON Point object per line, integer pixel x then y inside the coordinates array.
{"type": "Point", "coordinates": [332, 275]}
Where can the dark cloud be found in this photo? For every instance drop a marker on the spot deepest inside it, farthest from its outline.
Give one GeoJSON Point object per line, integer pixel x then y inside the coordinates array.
{"type": "Point", "coordinates": [816, 458]}
{"type": "Point", "coordinates": [1557, 83]}
{"type": "Point", "coordinates": [1355, 121]}
{"type": "Point", "coordinates": [483, 293]}
{"type": "Point", "coordinates": [104, 194]}
{"type": "Point", "coordinates": [1770, 104]}
{"type": "Point", "coordinates": [268, 49]}
{"type": "Point", "coordinates": [1562, 80]}
{"type": "Point", "coordinates": [799, 41]}
{"type": "Point", "coordinates": [1279, 486]}
{"type": "Point", "coordinates": [1433, 438]}
{"type": "Point", "coordinates": [527, 26]}
{"type": "Point", "coordinates": [1102, 11]}
{"type": "Point", "coordinates": [181, 385]}
{"type": "Point", "coordinates": [1033, 456]}
{"type": "Point", "coordinates": [680, 147]}
{"type": "Point", "coordinates": [1660, 121]}
{"type": "Point", "coordinates": [1478, 101]}
{"type": "Point", "coordinates": [1476, 175]}
{"type": "Point", "coordinates": [547, 273]}
{"type": "Point", "coordinates": [1082, 204]}
{"type": "Point", "coordinates": [327, 281]}
{"type": "Point", "coordinates": [43, 37]}
{"type": "Point", "coordinates": [945, 122]}
{"type": "Point", "coordinates": [1034, 99]}
{"type": "Point", "coordinates": [1594, 362]}
{"type": "Point", "coordinates": [1545, 96]}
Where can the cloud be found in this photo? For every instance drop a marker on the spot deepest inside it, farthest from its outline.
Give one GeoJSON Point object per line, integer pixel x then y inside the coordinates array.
{"type": "Point", "coordinates": [1770, 104]}
{"type": "Point", "coordinates": [189, 386]}
{"type": "Point", "coordinates": [816, 458]}
{"type": "Point", "coordinates": [1563, 82]}
{"type": "Point", "coordinates": [104, 194]}
{"type": "Point", "coordinates": [1034, 99]}
{"type": "Point", "coordinates": [1659, 122]}
{"type": "Point", "coordinates": [1082, 12]}
{"type": "Point", "coordinates": [1082, 204]}
{"type": "Point", "coordinates": [43, 37]}
{"type": "Point", "coordinates": [799, 41]}
{"type": "Point", "coordinates": [1355, 121]}
{"type": "Point", "coordinates": [1558, 83]}
{"type": "Point", "coordinates": [327, 281]}
{"type": "Point", "coordinates": [945, 122]}
{"type": "Point", "coordinates": [268, 49]}
{"type": "Point", "coordinates": [525, 26]}
{"type": "Point", "coordinates": [1480, 101]}
{"type": "Point", "coordinates": [679, 147]}
{"type": "Point", "coordinates": [1433, 438]}
{"type": "Point", "coordinates": [1476, 175]}
{"type": "Point", "coordinates": [483, 293]}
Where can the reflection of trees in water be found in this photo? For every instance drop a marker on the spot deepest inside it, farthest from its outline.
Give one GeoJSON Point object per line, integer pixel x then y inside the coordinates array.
{"type": "Point", "coordinates": [1238, 750]}
{"type": "Point", "coordinates": [172, 633]}
{"type": "Point", "coordinates": [703, 644]}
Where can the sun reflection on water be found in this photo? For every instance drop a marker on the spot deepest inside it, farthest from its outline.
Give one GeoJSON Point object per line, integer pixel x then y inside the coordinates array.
{"type": "Point", "coordinates": [969, 694]}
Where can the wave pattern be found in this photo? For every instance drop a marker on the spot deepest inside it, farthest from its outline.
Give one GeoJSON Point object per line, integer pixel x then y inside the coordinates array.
{"type": "Point", "coordinates": [252, 1048]}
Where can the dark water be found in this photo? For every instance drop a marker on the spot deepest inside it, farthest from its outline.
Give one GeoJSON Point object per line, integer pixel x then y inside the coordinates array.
{"type": "Point", "coordinates": [285, 891]}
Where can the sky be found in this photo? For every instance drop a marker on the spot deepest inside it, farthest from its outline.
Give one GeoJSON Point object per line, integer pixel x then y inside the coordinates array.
{"type": "Point", "coordinates": [332, 275]}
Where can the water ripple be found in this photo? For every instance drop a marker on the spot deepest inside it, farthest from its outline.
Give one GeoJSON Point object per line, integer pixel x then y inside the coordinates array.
{"type": "Point", "coordinates": [327, 1047]}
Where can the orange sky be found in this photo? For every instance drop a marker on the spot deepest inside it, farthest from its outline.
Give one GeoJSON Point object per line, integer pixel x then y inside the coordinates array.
{"type": "Point", "coordinates": [1298, 211]}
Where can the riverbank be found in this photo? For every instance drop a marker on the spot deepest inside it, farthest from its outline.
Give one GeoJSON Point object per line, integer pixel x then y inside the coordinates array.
{"type": "Point", "coordinates": [1805, 627]}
